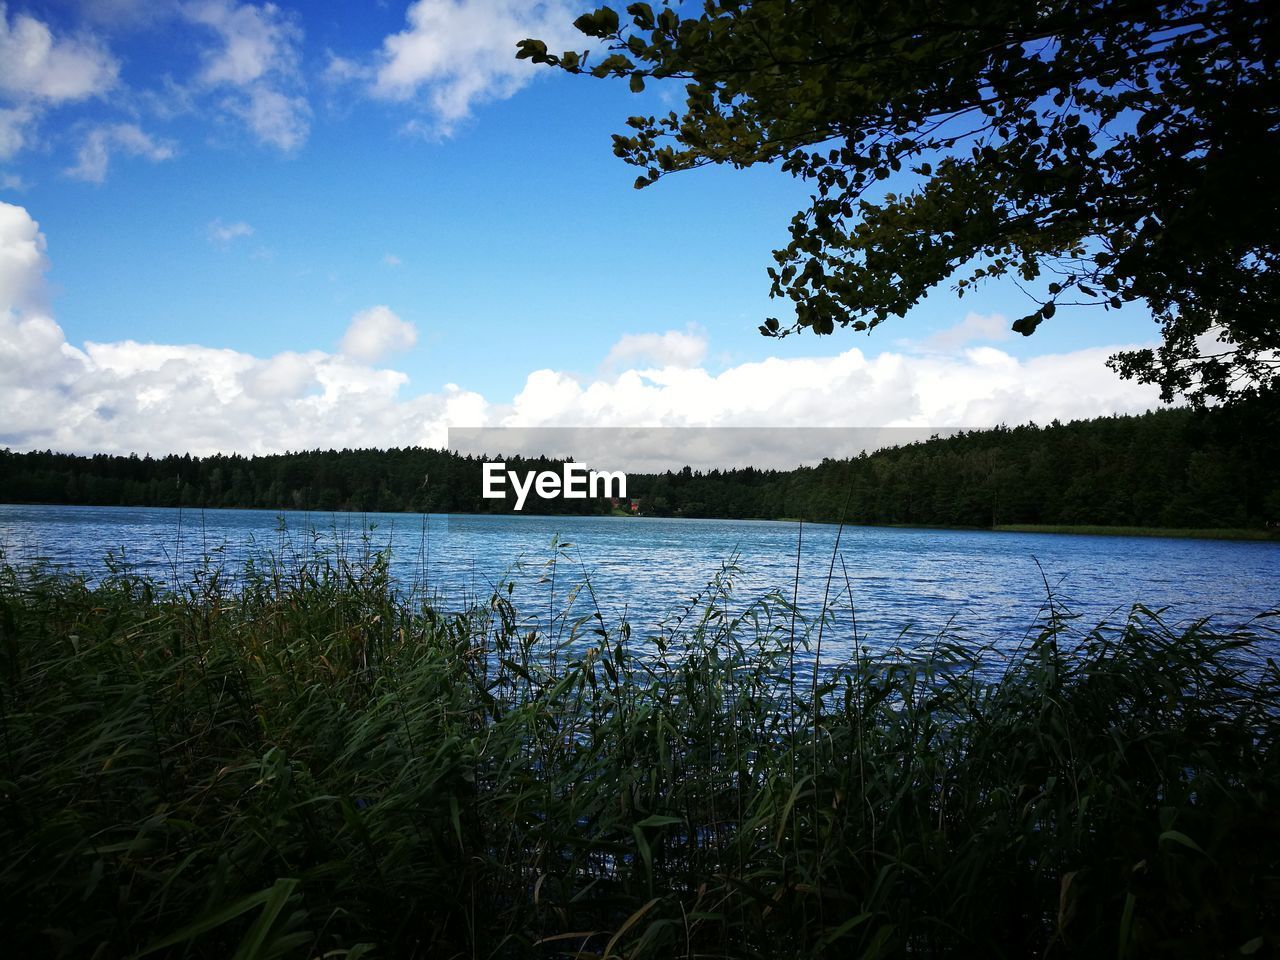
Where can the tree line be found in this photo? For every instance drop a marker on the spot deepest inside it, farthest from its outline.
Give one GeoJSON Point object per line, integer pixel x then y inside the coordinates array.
{"type": "Point", "coordinates": [1168, 468]}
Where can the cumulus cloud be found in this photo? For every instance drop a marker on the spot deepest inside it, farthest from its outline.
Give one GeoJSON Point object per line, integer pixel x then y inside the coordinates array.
{"type": "Point", "coordinates": [36, 65]}
{"type": "Point", "coordinates": [454, 54]}
{"type": "Point", "coordinates": [248, 73]}
{"type": "Point", "coordinates": [22, 260]}
{"type": "Point", "coordinates": [255, 41]}
{"type": "Point", "coordinates": [341, 70]}
{"type": "Point", "coordinates": [275, 118]}
{"type": "Point", "coordinates": [979, 387]}
{"type": "Point", "coordinates": [16, 124]}
{"type": "Point", "coordinates": [254, 64]}
{"type": "Point", "coordinates": [374, 333]}
{"type": "Point", "coordinates": [39, 70]}
{"type": "Point", "coordinates": [674, 348]}
{"type": "Point", "coordinates": [974, 328]}
{"type": "Point", "coordinates": [127, 396]}
{"type": "Point", "coordinates": [94, 156]}
{"type": "Point", "coordinates": [224, 233]}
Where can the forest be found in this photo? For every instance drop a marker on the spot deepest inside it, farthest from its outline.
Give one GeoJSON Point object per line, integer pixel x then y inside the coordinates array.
{"type": "Point", "coordinates": [1174, 468]}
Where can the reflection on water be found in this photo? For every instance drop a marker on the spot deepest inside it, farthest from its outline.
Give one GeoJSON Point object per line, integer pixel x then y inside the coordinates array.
{"type": "Point", "coordinates": [988, 587]}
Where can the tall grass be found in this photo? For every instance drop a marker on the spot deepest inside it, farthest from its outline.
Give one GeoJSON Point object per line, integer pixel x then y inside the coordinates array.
{"type": "Point", "coordinates": [305, 762]}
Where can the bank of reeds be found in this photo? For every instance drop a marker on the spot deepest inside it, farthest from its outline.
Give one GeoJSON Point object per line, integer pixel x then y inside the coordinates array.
{"type": "Point", "coordinates": [307, 763]}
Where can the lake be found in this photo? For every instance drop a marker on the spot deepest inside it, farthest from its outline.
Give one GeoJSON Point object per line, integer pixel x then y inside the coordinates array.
{"type": "Point", "coordinates": [987, 586]}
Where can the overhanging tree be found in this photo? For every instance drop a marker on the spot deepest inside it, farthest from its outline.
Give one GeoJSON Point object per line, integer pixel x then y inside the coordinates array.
{"type": "Point", "coordinates": [1097, 151]}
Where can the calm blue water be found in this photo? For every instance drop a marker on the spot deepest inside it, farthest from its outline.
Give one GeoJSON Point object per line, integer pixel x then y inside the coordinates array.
{"type": "Point", "coordinates": [987, 586]}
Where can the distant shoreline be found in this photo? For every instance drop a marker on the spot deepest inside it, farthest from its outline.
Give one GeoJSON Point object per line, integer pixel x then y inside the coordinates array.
{"type": "Point", "coordinates": [1122, 531]}
{"type": "Point", "coordinates": [1168, 473]}
{"type": "Point", "coordinates": [1085, 530]}
{"type": "Point", "coordinates": [1089, 530]}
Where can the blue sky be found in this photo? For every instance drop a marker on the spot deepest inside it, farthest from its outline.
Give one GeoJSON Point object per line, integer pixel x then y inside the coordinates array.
{"type": "Point", "coordinates": [254, 226]}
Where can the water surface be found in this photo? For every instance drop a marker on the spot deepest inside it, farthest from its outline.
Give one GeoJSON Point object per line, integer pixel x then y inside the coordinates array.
{"type": "Point", "coordinates": [983, 586]}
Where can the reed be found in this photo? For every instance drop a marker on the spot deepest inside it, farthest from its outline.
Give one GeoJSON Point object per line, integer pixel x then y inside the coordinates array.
{"type": "Point", "coordinates": [305, 761]}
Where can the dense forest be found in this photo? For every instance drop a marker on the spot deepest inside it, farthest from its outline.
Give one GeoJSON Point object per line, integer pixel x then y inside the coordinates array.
{"type": "Point", "coordinates": [1169, 468]}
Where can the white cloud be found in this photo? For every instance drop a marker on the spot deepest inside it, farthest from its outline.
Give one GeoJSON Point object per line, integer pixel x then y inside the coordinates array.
{"type": "Point", "coordinates": [36, 65]}
{"type": "Point", "coordinates": [974, 328]}
{"type": "Point", "coordinates": [255, 61]}
{"type": "Point", "coordinates": [342, 70]}
{"type": "Point", "coordinates": [981, 387]}
{"type": "Point", "coordinates": [255, 41]}
{"type": "Point", "coordinates": [94, 155]}
{"type": "Point", "coordinates": [454, 54]}
{"type": "Point", "coordinates": [276, 119]}
{"type": "Point", "coordinates": [39, 70]}
{"type": "Point", "coordinates": [284, 376]}
{"type": "Point", "coordinates": [391, 260]}
{"type": "Point", "coordinates": [22, 260]}
{"type": "Point", "coordinates": [674, 348]}
{"type": "Point", "coordinates": [224, 233]}
{"type": "Point", "coordinates": [16, 124]}
{"type": "Point", "coordinates": [248, 75]}
{"type": "Point", "coordinates": [375, 332]}
{"type": "Point", "coordinates": [128, 396]}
